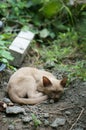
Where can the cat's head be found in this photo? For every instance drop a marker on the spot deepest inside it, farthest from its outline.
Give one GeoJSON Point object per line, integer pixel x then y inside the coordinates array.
{"type": "Point", "coordinates": [53, 87]}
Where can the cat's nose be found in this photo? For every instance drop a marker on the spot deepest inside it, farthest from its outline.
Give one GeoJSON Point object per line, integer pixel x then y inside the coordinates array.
{"type": "Point", "coordinates": [57, 97]}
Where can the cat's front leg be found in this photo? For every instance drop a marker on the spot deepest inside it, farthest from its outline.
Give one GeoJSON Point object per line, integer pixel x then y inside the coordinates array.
{"type": "Point", "coordinates": [38, 94]}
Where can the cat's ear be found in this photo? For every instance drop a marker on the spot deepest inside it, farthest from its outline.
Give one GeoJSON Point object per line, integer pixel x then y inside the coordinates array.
{"type": "Point", "coordinates": [46, 82]}
{"type": "Point", "coordinates": [63, 82]}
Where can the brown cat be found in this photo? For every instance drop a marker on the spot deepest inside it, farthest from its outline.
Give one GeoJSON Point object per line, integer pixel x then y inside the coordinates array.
{"type": "Point", "coordinates": [30, 86]}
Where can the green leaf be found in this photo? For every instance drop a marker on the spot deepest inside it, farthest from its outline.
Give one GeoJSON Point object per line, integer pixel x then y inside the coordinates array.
{"type": "Point", "coordinates": [44, 33]}
{"type": "Point", "coordinates": [51, 8]}
{"type": "Point", "coordinates": [52, 35]}
{"type": "Point", "coordinates": [4, 60]}
{"type": "Point", "coordinates": [35, 120]}
{"type": "Point", "coordinates": [69, 12]}
{"type": "Point", "coordinates": [36, 1]}
{"type": "Point", "coordinates": [6, 54]}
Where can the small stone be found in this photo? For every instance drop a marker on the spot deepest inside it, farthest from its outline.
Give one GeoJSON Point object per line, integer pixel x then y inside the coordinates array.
{"type": "Point", "coordinates": [26, 119]}
{"type": "Point", "coordinates": [11, 127]}
{"type": "Point", "coordinates": [1, 24]}
{"type": "Point", "coordinates": [15, 110]}
{"type": "Point", "coordinates": [67, 112]}
{"type": "Point", "coordinates": [5, 83]}
{"type": "Point", "coordinates": [58, 122]}
{"type": "Point", "coordinates": [83, 93]}
{"type": "Point", "coordinates": [46, 115]}
{"type": "Point", "coordinates": [6, 100]}
{"type": "Point", "coordinates": [51, 101]}
{"type": "Point", "coordinates": [72, 100]}
{"type": "Point", "coordinates": [46, 122]}
{"type": "Point", "coordinates": [4, 116]}
{"type": "Point", "coordinates": [45, 102]}
{"type": "Point", "coordinates": [49, 64]}
{"type": "Point", "coordinates": [10, 104]}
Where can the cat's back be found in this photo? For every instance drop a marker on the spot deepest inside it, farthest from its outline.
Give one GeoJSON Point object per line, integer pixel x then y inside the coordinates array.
{"type": "Point", "coordinates": [24, 71]}
{"type": "Point", "coordinates": [30, 71]}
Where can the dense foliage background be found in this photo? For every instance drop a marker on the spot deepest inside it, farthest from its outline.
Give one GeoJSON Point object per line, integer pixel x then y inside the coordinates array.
{"type": "Point", "coordinates": [59, 27]}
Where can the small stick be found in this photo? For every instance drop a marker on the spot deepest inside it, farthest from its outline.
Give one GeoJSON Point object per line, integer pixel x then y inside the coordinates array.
{"type": "Point", "coordinates": [77, 119]}
{"type": "Point", "coordinates": [65, 108]}
{"type": "Point", "coordinates": [61, 109]}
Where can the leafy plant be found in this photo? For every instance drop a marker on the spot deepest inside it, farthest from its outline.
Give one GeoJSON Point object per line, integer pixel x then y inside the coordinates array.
{"type": "Point", "coordinates": [80, 70]}
{"type": "Point", "coordinates": [50, 8]}
{"type": "Point", "coordinates": [55, 53]}
{"type": "Point", "coordinates": [59, 28]}
{"type": "Point", "coordinates": [68, 38]}
{"type": "Point", "coordinates": [5, 55]}
{"type": "Point", "coordinates": [36, 121]}
{"type": "Point", "coordinates": [77, 70]}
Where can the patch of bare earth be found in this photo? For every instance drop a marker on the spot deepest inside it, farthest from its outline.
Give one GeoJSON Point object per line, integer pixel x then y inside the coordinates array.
{"type": "Point", "coordinates": [71, 107]}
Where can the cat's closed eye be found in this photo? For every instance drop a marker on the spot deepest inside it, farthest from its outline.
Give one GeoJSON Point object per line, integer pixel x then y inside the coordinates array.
{"type": "Point", "coordinates": [57, 92]}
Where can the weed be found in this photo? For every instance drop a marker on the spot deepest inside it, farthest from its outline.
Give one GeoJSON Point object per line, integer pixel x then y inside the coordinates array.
{"type": "Point", "coordinates": [5, 55]}
{"type": "Point", "coordinates": [36, 121]}
{"type": "Point", "coordinates": [59, 28]}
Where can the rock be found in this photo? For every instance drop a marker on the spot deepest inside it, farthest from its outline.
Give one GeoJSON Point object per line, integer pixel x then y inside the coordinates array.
{"type": "Point", "coordinates": [58, 122]}
{"type": "Point", "coordinates": [45, 102]}
{"type": "Point", "coordinates": [6, 100]}
{"type": "Point", "coordinates": [49, 64]}
{"type": "Point", "coordinates": [46, 115]}
{"type": "Point", "coordinates": [46, 122]}
{"type": "Point", "coordinates": [1, 24]}
{"type": "Point", "coordinates": [15, 110]}
{"type": "Point", "coordinates": [83, 94]}
{"type": "Point", "coordinates": [11, 127]}
{"type": "Point", "coordinates": [26, 119]}
{"type": "Point", "coordinates": [51, 101]}
{"type": "Point", "coordinates": [67, 112]}
{"type": "Point", "coordinates": [5, 83]}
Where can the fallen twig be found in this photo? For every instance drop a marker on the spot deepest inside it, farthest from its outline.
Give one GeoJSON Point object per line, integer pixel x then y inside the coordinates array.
{"type": "Point", "coordinates": [62, 109]}
{"type": "Point", "coordinates": [65, 108]}
{"type": "Point", "coordinates": [77, 119]}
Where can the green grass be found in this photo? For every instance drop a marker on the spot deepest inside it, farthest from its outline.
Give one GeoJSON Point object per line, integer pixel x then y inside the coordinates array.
{"type": "Point", "coordinates": [61, 57]}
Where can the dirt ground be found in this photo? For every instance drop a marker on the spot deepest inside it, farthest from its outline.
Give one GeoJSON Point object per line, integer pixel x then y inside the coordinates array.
{"type": "Point", "coordinates": [71, 106]}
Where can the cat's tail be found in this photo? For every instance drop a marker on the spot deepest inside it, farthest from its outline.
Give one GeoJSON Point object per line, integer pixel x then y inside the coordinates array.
{"type": "Point", "coordinates": [20, 100]}
{"type": "Point", "coordinates": [31, 101]}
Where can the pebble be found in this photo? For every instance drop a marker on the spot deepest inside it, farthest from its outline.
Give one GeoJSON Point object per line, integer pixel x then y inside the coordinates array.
{"type": "Point", "coordinates": [11, 127]}
{"type": "Point", "coordinates": [46, 122]}
{"type": "Point", "coordinates": [1, 24]}
{"type": "Point", "coordinates": [4, 83]}
{"type": "Point", "coordinates": [83, 93]}
{"type": "Point", "coordinates": [46, 115]}
{"type": "Point", "coordinates": [26, 119]}
{"type": "Point", "coordinates": [6, 100]}
{"type": "Point", "coordinates": [49, 64]}
{"type": "Point", "coordinates": [15, 110]}
{"type": "Point", "coordinates": [67, 112]}
{"type": "Point", "coordinates": [58, 122]}
{"type": "Point", "coordinates": [51, 101]}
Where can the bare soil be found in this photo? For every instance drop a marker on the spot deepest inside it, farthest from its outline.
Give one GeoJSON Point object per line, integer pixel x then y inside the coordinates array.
{"type": "Point", "coordinates": [71, 106]}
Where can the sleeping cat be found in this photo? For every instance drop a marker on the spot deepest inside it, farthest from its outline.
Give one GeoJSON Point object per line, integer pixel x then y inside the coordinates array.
{"type": "Point", "coordinates": [31, 86]}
